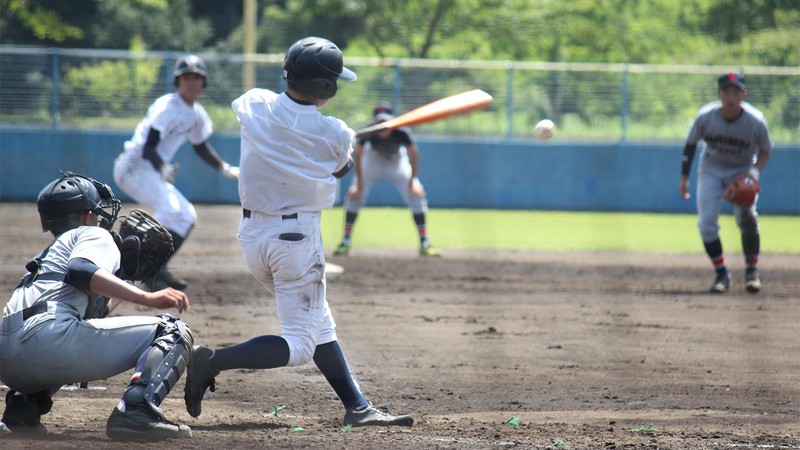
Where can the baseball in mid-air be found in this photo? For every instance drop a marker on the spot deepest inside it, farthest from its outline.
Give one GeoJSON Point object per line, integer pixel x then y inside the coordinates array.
{"type": "Point", "coordinates": [544, 129]}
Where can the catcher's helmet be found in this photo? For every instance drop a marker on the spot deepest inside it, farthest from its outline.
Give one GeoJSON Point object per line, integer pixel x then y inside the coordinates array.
{"type": "Point", "coordinates": [189, 64]}
{"type": "Point", "coordinates": [62, 202]}
{"type": "Point", "coordinates": [313, 65]}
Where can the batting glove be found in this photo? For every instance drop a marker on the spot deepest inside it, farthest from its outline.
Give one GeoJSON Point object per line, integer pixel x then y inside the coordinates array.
{"type": "Point", "coordinates": [168, 172]}
{"type": "Point", "coordinates": [230, 172]}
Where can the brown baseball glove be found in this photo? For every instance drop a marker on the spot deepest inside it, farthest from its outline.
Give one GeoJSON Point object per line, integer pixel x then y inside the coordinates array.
{"type": "Point", "coordinates": [742, 191]}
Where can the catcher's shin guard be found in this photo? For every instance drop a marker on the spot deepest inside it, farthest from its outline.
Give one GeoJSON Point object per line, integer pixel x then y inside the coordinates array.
{"type": "Point", "coordinates": [162, 364]}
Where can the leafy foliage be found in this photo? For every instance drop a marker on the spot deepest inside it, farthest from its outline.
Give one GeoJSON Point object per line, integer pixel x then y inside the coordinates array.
{"type": "Point", "coordinates": [113, 84]}
{"type": "Point", "coordinates": [627, 31]}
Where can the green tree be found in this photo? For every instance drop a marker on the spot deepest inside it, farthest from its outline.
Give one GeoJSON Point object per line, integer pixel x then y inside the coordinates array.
{"type": "Point", "coordinates": [40, 20]}
{"type": "Point", "coordinates": [762, 32]}
{"type": "Point", "coordinates": [113, 85]}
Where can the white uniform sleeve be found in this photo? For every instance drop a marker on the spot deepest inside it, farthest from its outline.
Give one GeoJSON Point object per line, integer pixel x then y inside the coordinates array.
{"type": "Point", "coordinates": [348, 136]}
{"type": "Point", "coordinates": [202, 131]}
{"type": "Point", "coordinates": [698, 128]}
{"type": "Point", "coordinates": [765, 140]}
{"type": "Point", "coordinates": [243, 105]}
{"type": "Point", "coordinates": [97, 245]}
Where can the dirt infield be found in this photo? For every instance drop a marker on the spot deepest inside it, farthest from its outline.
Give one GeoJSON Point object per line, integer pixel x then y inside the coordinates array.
{"type": "Point", "coordinates": [575, 350]}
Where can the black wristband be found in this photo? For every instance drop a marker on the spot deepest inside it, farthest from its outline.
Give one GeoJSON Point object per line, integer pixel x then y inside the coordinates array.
{"type": "Point", "coordinates": [686, 160]}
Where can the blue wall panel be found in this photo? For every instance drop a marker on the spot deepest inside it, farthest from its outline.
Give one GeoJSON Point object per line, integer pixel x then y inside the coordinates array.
{"type": "Point", "coordinates": [456, 174]}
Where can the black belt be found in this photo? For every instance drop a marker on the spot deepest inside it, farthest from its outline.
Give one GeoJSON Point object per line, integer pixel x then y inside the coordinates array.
{"type": "Point", "coordinates": [246, 213]}
{"type": "Point", "coordinates": [31, 311]}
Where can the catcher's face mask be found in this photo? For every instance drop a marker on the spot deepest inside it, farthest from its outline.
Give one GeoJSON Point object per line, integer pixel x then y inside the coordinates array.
{"type": "Point", "coordinates": [98, 204]}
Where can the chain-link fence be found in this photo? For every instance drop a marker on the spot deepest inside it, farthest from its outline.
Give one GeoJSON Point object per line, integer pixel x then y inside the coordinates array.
{"type": "Point", "coordinates": [111, 89]}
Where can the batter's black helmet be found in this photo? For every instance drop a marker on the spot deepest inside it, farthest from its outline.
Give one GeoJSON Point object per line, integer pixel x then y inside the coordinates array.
{"type": "Point", "coordinates": [62, 202]}
{"type": "Point", "coordinates": [189, 64]}
{"type": "Point", "coordinates": [313, 65]}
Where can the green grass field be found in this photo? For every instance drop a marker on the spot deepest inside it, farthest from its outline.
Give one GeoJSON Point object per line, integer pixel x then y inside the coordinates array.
{"type": "Point", "coordinates": [553, 231]}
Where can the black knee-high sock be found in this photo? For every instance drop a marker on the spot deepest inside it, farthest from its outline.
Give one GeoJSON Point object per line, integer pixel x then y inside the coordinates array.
{"type": "Point", "coordinates": [262, 352]}
{"type": "Point", "coordinates": [177, 242]}
{"type": "Point", "coordinates": [751, 246]}
{"type": "Point", "coordinates": [330, 361]}
{"type": "Point", "coordinates": [714, 251]}
{"type": "Point", "coordinates": [349, 221]}
{"type": "Point", "coordinates": [422, 229]}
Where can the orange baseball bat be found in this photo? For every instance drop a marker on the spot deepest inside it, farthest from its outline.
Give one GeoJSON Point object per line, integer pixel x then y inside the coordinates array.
{"type": "Point", "coordinates": [439, 109]}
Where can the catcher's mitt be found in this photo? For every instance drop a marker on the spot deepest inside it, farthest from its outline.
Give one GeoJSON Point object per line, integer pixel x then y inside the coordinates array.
{"type": "Point", "coordinates": [742, 191]}
{"type": "Point", "coordinates": [146, 245]}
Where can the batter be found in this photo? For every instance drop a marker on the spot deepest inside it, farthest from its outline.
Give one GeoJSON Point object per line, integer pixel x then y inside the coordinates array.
{"type": "Point", "coordinates": [291, 156]}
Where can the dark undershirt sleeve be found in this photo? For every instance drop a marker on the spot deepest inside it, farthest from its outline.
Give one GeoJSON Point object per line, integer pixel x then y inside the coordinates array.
{"type": "Point", "coordinates": [209, 155]}
{"type": "Point", "coordinates": [80, 272]}
{"type": "Point", "coordinates": [149, 153]}
{"type": "Point", "coordinates": [688, 156]}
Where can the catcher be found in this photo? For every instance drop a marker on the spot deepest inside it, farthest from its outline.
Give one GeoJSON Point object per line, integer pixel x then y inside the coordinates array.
{"type": "Point", "coordinates": [738, 146]}
{"type": "Point", "coordinates": [54, 331]}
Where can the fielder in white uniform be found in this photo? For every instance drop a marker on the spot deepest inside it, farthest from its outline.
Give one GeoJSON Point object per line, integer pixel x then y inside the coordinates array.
{"type": "Point", "coordinates": [143, 170]}
{"type": "Point", "coordinates": [54, 331]}
{"type": "Point", "coordinates": [737, 141]}
{"type": "Point", "coordinates": [393, 156]}
{"type": "Point", "coordinates": [291, 156]}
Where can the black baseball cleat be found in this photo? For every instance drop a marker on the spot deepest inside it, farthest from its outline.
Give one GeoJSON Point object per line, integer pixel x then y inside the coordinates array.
{"type": "Point", "coordinates": [145, 423]}
{"type": "Point", "coordinates": [342, 250]}
{"type": "Point", "coordinates": [165, 279]}
{"type": "Point", "coordinates": [751, 282]}
{"type": "Point", "coordinates": [23, 413]}
{"type": "Point", "coordinates": [199, 377]}
{"type": "Point", "coordinates": [429, 251]}
{"type": "Point", "coordinates": [375, 417]}
{"type": "Point", "coordinates": [721, 283]}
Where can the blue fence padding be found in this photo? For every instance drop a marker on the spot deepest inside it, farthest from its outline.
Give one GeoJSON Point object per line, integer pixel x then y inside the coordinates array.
{"type": "Point", "coordinates": [549, 175]}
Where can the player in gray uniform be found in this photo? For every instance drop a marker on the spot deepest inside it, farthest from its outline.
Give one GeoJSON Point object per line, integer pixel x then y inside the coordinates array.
{"type": "Point", "coordinates": [393, 156]}
{"type": "Point", "coordinates": [143, 170]}
{"type": "Point", "coordinates": [737, 141]}
{"type": "Point", "coordinates": [291, 156]}
{"type": "Point", "coordinates": [54, 333]}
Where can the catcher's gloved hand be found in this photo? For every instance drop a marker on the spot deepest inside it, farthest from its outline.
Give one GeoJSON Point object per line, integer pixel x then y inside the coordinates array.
{"type": "Point", "coordinates": [230, 172]}
{"type": "Point", "coordinates": [742, 191]}
{"type": "Point", "coordinates": [168, 172]}
{"type": "Point", "coordinates": [146, 245]}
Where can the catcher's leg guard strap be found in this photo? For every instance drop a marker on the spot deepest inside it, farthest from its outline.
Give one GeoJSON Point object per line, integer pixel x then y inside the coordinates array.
{"type": "Point", "coordinates": [162, 364]}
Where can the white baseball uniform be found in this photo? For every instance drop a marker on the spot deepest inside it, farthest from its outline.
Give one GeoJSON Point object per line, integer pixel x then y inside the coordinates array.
{"type": "Point", "coordinates": [176, 122]}
{"type": "Point", "coordinates": [54, 346]}
{"type": "Point", "coordinates": [289, 153]}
